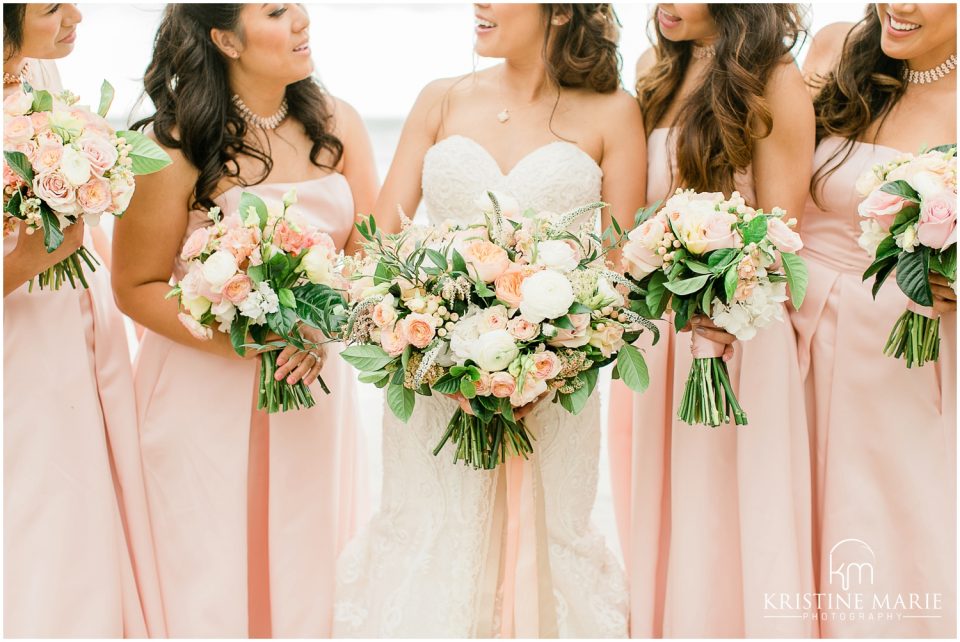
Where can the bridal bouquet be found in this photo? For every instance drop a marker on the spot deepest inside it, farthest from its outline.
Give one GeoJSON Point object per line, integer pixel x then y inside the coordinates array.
{"type": "Point", "coordinates": [910, 225]}
{"type": "Point", "coordinates": [705, 254]}
{"type": "Point", "coordinates": [62, 163]}
{"type": "Point", "coordinates": [261, 270]}
{"type": "Point", "coordinates": [497, 314]}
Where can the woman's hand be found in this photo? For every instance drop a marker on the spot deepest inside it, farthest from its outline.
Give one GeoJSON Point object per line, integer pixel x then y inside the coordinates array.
{"type": "Point", "coordinates": [944, 298]}
{"type": "Point", "coordinates": [518, 413]}
{"type": "Point", "coordinates": [30, 257]}
{"type": "Point", "coordinates": [703, 326]}
{"type": "Point", "coordinates": [302, 365]}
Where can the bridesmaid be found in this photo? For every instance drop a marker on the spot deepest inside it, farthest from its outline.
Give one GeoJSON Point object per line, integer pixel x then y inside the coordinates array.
{"type": "Point", "coordinates": [249, 510]}
{"type": "Point", "coordinates": [716, 519]}
{"type": "Point", "coordinates": [885, 460]}
{"type": "Point", "coordinates": [78, 555]}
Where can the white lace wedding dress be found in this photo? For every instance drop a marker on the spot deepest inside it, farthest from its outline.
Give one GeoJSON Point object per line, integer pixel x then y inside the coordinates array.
{"type": "Point", "coordinates": [417, 569]}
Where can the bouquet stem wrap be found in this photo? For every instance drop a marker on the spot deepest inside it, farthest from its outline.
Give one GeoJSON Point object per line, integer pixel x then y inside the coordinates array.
{"type": "Point", "coordinates": [274, 396]}
{"type": "Point", "coordinates": [915, 336]}
{"type": "Point", "coordinates": [708, 396]}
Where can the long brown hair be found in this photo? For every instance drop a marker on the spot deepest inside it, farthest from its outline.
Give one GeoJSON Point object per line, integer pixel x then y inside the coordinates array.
{"type": "Point", "coordinates": [13, 15]}
{"type": "Point", "coordinates": [187, 82]}
{"type": "Point", "coordinates": [717, 126]}
{"type": "Point", "coordinates": [864, 88]}
{"type": "Point", "coordinates": [583, 52]}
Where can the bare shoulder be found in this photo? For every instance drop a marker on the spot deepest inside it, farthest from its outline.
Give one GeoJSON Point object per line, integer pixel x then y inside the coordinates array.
{"type": "Point", "coordinates": [180, 169]}
{"type": "Point", "coordinates": [617, 108]}
{"type": "Point", "coordinates": [646, 61]}
{"type": "Point", "coordinates": [825, 50]}
{"type": "Point", "coordinates": [346, 118]}
{"type": "Point", "coordinates": [786, 84]}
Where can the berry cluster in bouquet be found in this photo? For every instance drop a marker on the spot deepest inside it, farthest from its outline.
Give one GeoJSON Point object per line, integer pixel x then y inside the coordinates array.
{"type": "Point", "coordinates": [64, 163]}
{"type": "Point", "coordinates": [910, 226]}
{"type": "Point", "coordinates": [498, 314]}
{"type": "Point", "coordinates": [262, 272]}
{"type": "Point", "coordinates": [703, 253]}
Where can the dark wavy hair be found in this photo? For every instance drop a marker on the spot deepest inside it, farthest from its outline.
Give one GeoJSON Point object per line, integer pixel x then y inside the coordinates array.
{"type": "Point", "coordinates": [718, 125]}
{"type": "Point", "coordinates": [584, 50]}
{"type": "Point", "coordinates": [12, 28]}
{"type": "Point", "coordinates": [865, 86]}
{"type": "Point", "coordinates": [187, 82]}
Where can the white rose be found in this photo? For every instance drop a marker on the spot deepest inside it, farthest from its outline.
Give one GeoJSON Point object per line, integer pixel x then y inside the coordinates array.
{"type": "Point", "coordinates": [218, 269]}
{"type": "Point", "coordinates": [556, 255]}
{"type": "Point", "coordinates": [927, 184]}
{"type": "Point", "coordinates": [494, 318]}
{"type": "Point", "coordinates": [493, 351]}
{"type": "Point", "coordinates": [607, 293]}
{"type": "Point", "coordinates": [868, 182]}
{"type": "Point", "coordinates": [545, 295]}
{"type": "Point", "coordinates": [17, 103]}
{"type": "Point", "coordinates": [316, 263]}
{"type": "Point", "coordinates": [873, 234]}
{"type": "Point", "coordinates": [74, 166]}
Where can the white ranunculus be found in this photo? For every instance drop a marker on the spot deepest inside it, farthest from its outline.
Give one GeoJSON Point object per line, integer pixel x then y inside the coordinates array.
{"type": "Point", "coordinates": [218, 269]}
{"type": "Point", "coordinates": [317, 265]}
{"type": "Point", "coordinates": [545, 295]}
{"type": "Point", "coordinates": [464, 334]}
{"type": "Point", "coordinates": [556, 255]}
{"type": "Point", "coordinates": [927, 184]}
{"type": "Point", "coordinates": [873, 234]}
{"type": "Point", "coordinates": [74, 166]}
{"type": "Point", "coordinates": [493, 351]}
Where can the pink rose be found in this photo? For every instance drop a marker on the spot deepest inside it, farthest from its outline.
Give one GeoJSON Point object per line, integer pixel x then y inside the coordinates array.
{"type": "Point", "coordinates": [27, 148]}
{"type": "Point", "coordinates": [55, 190]}
{"type": "Point", "coordinates": [882, 206]}
{"type": "Point", "coordinates": [640, 256]}
{"type": "Point", "coordinates": [418, 329]}
{"type": "Point", "coordinates": [393, 341]}
{"type": "Point", "coordinates": [719, 232]}
{"type": "Point", "coordinates": [485, 259]}
{"type": "Point", "coordinates": [576, 337]}
{"type": "Point", "coordinates": [502, 384]}
{"type": "Point", "coordinates": [94, 196]}
{"type": "Point", "coordinates": [100, 152]}
{"type": "Point", "coordinates": [18, 103]}
{"type": "Point", "coordinates": [196, 243]}
{"type": "Point", "coordinates": [48, 157]}
{"type": "Point", "coordinates": [938, 220]}
{"type": "Point", "coordinates": [494, 318]}
{"type": "Point", "coordinates": [47, 137]}
{"type": "Point", "coordinates": [384, 314]}
{"type": "Point", "coordinates": [782, 236]}
{"type": "Point", "coordinates": [237, 288]}
{"type": "Point", "coordinates": [546, 365]}
{"type": "Point", "coordinates": [194, 286]}
{"type": "Point", "coordinates": [522, 330]}
{"type": "Point", "coordinates": [197, 329]}
{"type": "Point", "coordinates": [18, 129]}
{"type": "Point", "coordinates": [532, 388]}
{"type": "Point", "coordinates": [241, 242]}
{"type": "Point", "coordinates": [291, 238]}
{"type": "Point", "coordinates": [484, 385]}
{"type": "Point", "coordinates": [41, 121]}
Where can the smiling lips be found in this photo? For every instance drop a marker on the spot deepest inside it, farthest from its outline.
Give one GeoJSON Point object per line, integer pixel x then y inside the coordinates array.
{"type": "Point", "coordinates": [483, 25]}
{"type": "Point", "coordinates": [900, 27]}
{"type": "Point", "coordinates": [667, 19]}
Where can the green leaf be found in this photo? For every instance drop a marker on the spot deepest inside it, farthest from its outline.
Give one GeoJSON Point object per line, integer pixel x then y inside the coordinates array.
{"type": "Point", "coordinates": [248, 200]}
{"type": "Point", "coordinates": [146, 155]}
{"type": "Point", "coordinates": [755, 230]}
{"type": "Point", "coordinates": [459, 265]}
{"type": "Point", "coordinates": [52, 235]}
{"type": "Point", "coordinates": [106, 98]}
{"type": "Point", "coordinates": [579, 308]}
{"type": "Point", "coordinates": [888, 247]}
{"type": "Point", "coordinates": [447, 384]}
{"type": "Point", "coordinates": [644, 213]}
{"type": "Point", "coordinates": [286, 298]}
{"type": "Point", "coordinates": [563, 322]}
{"type": "Point", "coordinates": [42, 100]}
{"type": "Point", "coordinates": [12, 206]}
{"type": "Point", "coordinates": [382, 274]}
{"type": "Point", "coordinates": [797, 277]}
{"type": "Point", "coordinates": [401, 401]}
{"type": "Point", "coordinates": [882, 275]}
{"type": "Point", "coordinates": [282, 321]}
{"type": "Point", "coordinates": [20, 164]}
{"type": "Point", "coordinates": [877, 265]}
{"type": "Point", "coordinates": [437, 258]}
{"type": "Point", "coordinates": [913, 275]}
{"type": "Point", "coordinates": [632, 368]}
{"type": "Point", "coordinates": [467, 388]}
{"type": "Point", "coordinates": [257, 273]}
{"type": "Point", "coordinates": [315, 304]}
{"type": "Point", "coordinates": [901, 189]}
{"type": "Point", "coordinates": [946, 149]}
{"type": "Point", "coordinates": [278, 264]}
{"type": "Point", "coordinates": [681, 312]}
{"type": "Point", "coordinates": [719, 258]}
{"type": "Point", "coordinates": [590, 378]}
{"type": "Point", "coordinates": [657, 296]}
{"type": "Point", "coordinates": [687, 286]}
{"type": "Point", "coordinates": [945, 263]}
{"type": "Point", "coordinates": [908, 216]}
{"type": "Point", "coordinates": [238, 333]}
{"type": "Point", "coordinates": [373, 377]}
{"type": "Point", "coordinates": [698, 268]}
{"type": "Point", "coordinates": [730, 280]}
{"type": "Point", "coordinates": [706, 299]}
{"type": "Point", "coordinates": [366, 357]}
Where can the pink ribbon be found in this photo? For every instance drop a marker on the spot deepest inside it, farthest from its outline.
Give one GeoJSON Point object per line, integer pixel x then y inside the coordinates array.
{"type": "Point", "coordinates": [704, 348]}
{"type": "Point", "coordinates": [922, 310]}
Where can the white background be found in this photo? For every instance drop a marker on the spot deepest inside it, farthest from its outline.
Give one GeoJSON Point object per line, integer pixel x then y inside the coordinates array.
{"type": "Point", "coordinates": [376, 57]}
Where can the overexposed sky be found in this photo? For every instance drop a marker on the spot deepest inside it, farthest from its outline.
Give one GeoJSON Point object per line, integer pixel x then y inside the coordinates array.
{"type": "Point", "coordinates": [375, 56]}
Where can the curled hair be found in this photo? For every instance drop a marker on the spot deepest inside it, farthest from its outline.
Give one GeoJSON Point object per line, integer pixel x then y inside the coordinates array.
{"type": "Point", "coordinates": [12, 29]}
{"type": "Point", "coordinates": [718, 124]}
{"type": "Point", "coordinates": [188, 84]}
{"type": "Point", "coordinates": [865, 86]}
{"type": "Point", "coordinates": [583, 51]}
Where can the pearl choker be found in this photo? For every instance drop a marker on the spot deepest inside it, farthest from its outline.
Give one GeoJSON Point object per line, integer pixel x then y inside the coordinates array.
{"type": "Point", "coordinates": [930, 75]}
{"type": "Point", "coordinates": [704, 51]}
{"type": "Point", "coordinates": [269, 122]}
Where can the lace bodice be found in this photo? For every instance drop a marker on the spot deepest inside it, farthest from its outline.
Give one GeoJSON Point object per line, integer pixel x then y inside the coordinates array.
{"type": "Point", "coordinates": [458, 170]}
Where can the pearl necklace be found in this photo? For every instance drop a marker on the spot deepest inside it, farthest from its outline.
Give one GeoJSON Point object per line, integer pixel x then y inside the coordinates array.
{"type": "Point", "coordinates": [704, 51]}
{"type": "Point", "coordinates": [269, 122]}
{"type": "Point", "coordinates": [930, 75]}
{"type": "Point", "coordinates": [16, 79]}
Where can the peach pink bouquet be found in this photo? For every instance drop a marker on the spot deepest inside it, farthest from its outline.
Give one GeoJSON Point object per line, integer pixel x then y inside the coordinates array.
{"type": "Point", "coordinates": [910, 226]}
{"type": "Point", "coordinates": [260, 273]}
{"type": "Point", "coordinates": [497, 314]}
{"type": "Point", "coordinates": [703, 253]}
{"type": "Point", "coordinates": [63, 163]}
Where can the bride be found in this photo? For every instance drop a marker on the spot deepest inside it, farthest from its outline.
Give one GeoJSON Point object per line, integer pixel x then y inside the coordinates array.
{"type": "Point", "coordinates": [458, 552]}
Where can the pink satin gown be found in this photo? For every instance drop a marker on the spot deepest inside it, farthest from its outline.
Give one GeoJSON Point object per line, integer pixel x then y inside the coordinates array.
{"type": "Point", "coordinates": [884, 436]}
{"type": "Point", "coordinates": [714, 520]}
{"type": "Point", "coordinates": [249, 510]}
{"type": "Point", "coordinates": [78, 558]}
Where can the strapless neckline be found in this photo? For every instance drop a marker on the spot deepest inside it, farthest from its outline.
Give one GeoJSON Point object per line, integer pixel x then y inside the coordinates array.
{"type": "Point", "coordinates": [526, 157]}
{"type": "Point", "coordinates": [280, 184]}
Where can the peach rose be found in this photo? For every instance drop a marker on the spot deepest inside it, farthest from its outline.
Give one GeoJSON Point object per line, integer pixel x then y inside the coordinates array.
{"type": "Point", "coordinates": [48, 157]}
{"type": "Point", "coordinates": [532, 388]}
{"type": "Point", "coordinates": [418, 329]}
{"type": "Point", "coordinates": [241, 242]}
{"type": "Point", "coordinates": [608, 340]}
{"type": "Point", "coordinates": [882, 206]}
{"type": "Point", "coordinates": [237, 288]}
{"type": "Point", "coordinates": [485, 259]}
{"type": "Point", "coordinates": [546, 365]}
{"type": "Point", "coordinates": [523, 330]}
{"type": "Point", "coordinates": [640, 257]}
{"type": "Point", "coordinates": [384, 314]}
{"type": "Point", "coordinates": [393, 341]}
{"type": "Point", "coordinates": [195, 243]}
{"type": "Point", "coordinates": [41, 121]}
{"type": "Point", "coordinates": [502, 384]}
{"type": "Point", "coordinates": [18, 129]}
{"type": "Point", "coordinates": [27, 148]}
{"type": "Point", "coordinates": [94, 196]}
{"type": "Point", "coordinates": [507, 285]}
{"type": "Point", "coordinates": [484, 385]}
{"type": "Point", "coordinates": [18, 103]}
{"type": "Point", "coordinates": [198, 330]}
{"type": "Point", "coordinates": [938, 220]}
{"type": "Point", "coordinates": [121, 188]}
{"type": "Point", "coordinates": [290, 238]}
{"type": "Point", "coordinates": [575, 338]}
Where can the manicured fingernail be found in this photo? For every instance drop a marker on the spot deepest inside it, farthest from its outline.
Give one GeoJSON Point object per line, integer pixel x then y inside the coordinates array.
{"type": "Point", "coordinates": [291, 379]}
{"type": "Point", "coordinates": [281, 361]}
{"type": "Point", "coordinates": [278, 376]}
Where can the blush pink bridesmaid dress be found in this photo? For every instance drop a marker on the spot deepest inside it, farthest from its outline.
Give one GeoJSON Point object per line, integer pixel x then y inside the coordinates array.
{"type": "Point", "coordinates": [78, 558]}
{"type": "Point", "coordinates": [249, 511]}
{"type": "Point", "coordinates": [884, 436]}
{"type": "Point", "coordinates": [715, 520]}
